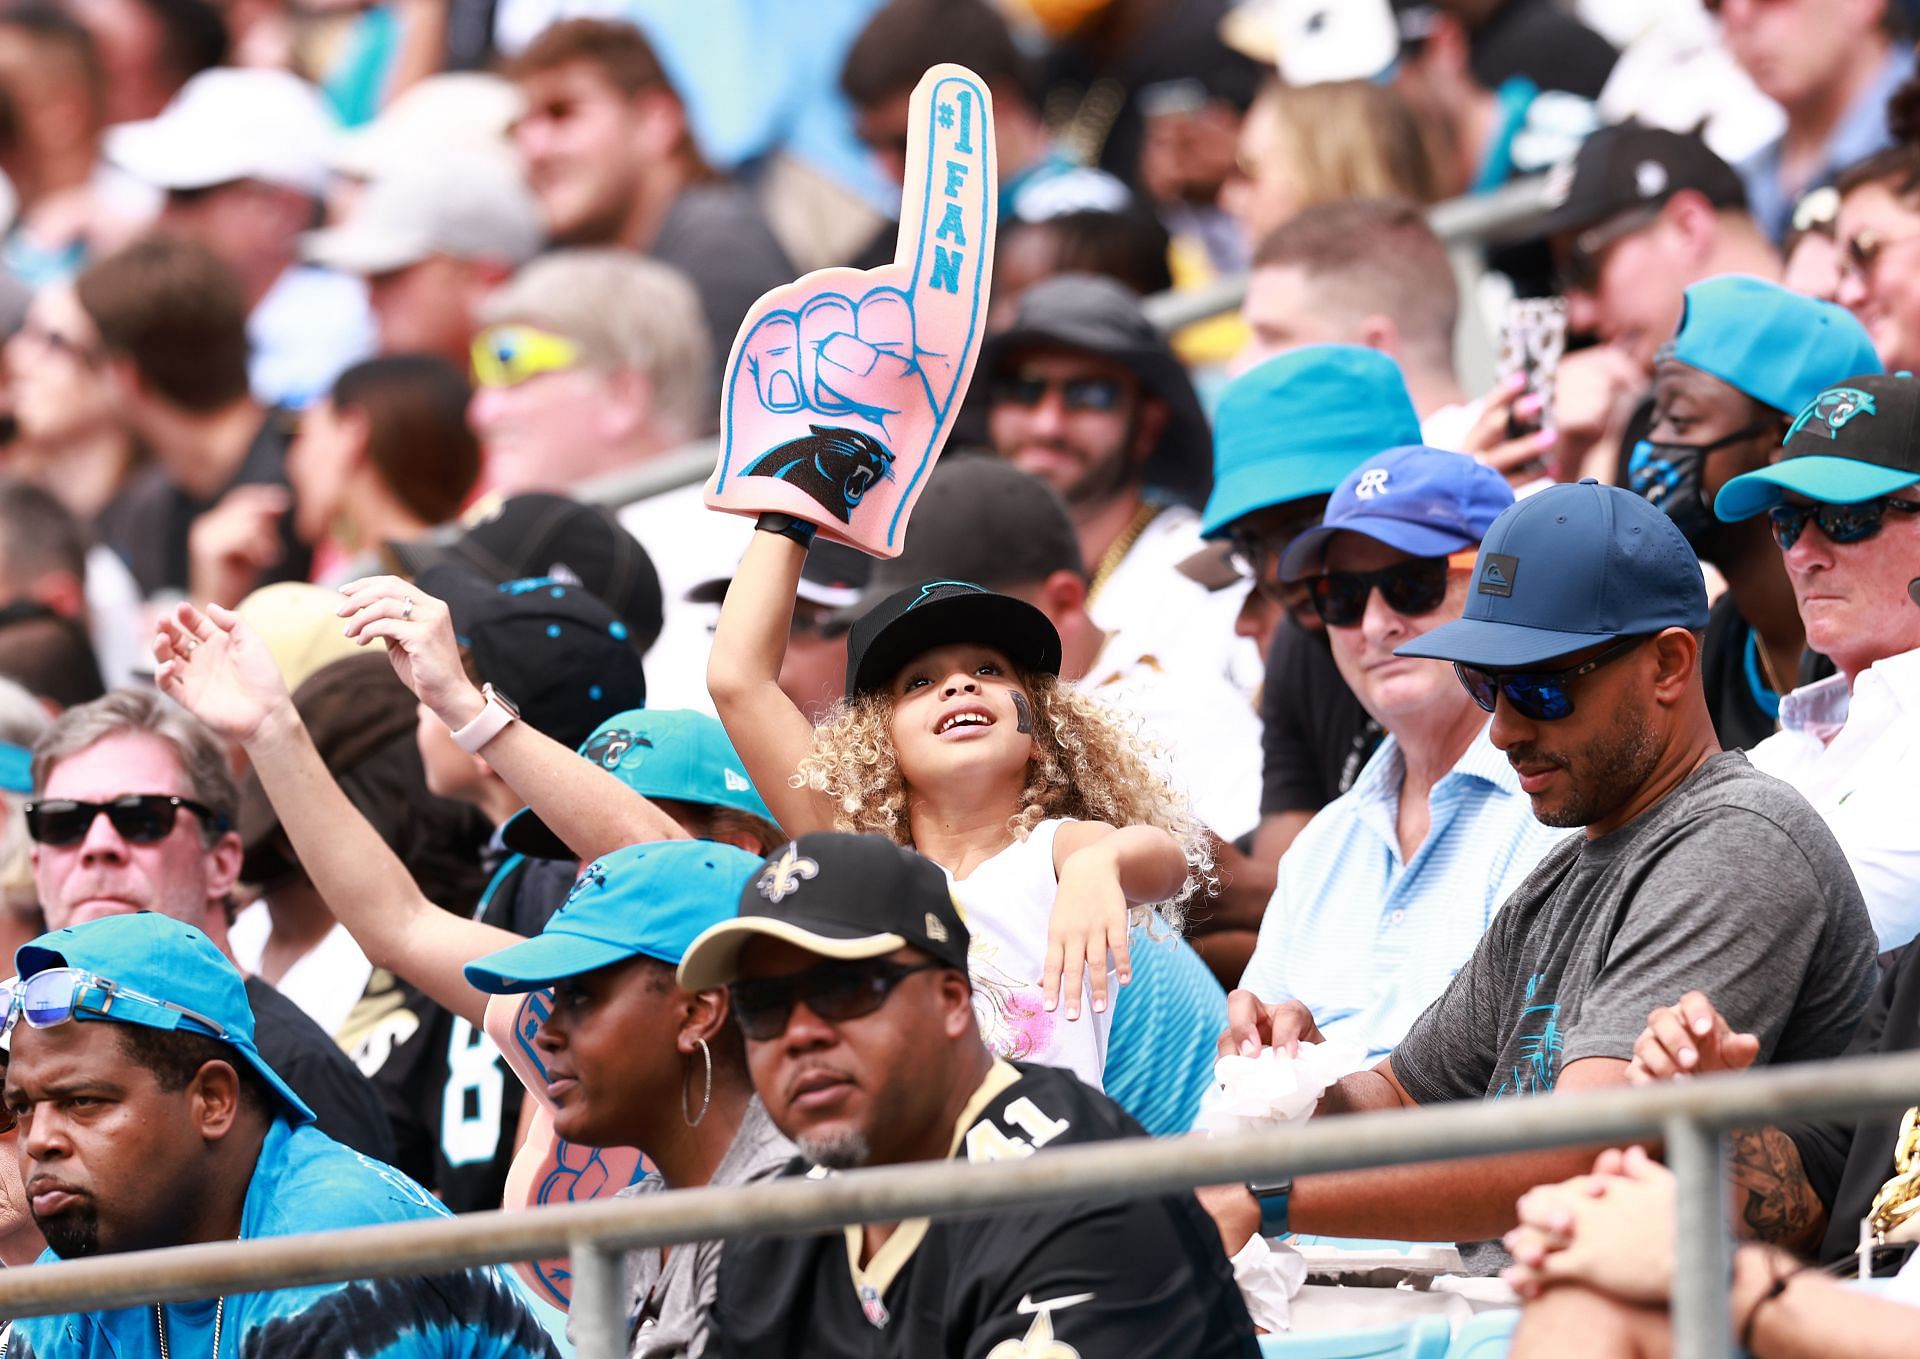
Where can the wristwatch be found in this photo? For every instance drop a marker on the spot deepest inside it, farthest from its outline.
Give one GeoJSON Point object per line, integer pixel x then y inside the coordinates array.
{"type": "Point", "coordinates": [1272, 1196]}
{"type": "Point", "coordinates": [489, 722]}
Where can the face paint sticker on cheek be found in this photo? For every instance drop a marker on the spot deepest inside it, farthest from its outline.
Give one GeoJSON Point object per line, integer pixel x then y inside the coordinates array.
{"type": "Point", "coordinates": [1022, 714]}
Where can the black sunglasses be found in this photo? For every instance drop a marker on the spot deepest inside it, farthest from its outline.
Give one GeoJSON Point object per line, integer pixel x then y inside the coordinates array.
{"type": "Point", "coordinates": [834, 991]}
{"type": "Point", "coordinates": [138, 818]}
{"type": "Point", "coordinates": [1076, 394]}
{"type": "Point", "coordinates": [1410, 588]}
{"type": "Point", "coordinates": [1538, 695]}
{"type": "Point", "coordinates": [1841, 523]}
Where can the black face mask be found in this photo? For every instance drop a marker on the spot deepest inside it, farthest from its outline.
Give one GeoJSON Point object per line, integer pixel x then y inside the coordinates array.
{"type": "Point", "coordinates": [1669, 476]}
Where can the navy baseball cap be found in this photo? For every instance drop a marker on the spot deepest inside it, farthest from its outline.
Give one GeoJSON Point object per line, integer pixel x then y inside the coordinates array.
{"type": "Point", "coordinates": [1567, 569]}
{"type": "Point", "coordinates": [670, 753]}
{"type": "Point", "coordinates": [910, 622]}
{"type": "Point", "coordinates": [643, 901]}
{"type": "Point", "coordinates": [161, 959]}
{"type": "Point", "coordinates": [1293, 426]}
{"type": "Point", "coordinates": [1778, 347]}
{"type": "Point", "coordinates": [1857, 440]}
{"type": "Point", "coordinates": [564, 657]}
{"type": "Point", "coordinates": [1420, 500]}
{"type": "Point", "coordinates": [839, 895]}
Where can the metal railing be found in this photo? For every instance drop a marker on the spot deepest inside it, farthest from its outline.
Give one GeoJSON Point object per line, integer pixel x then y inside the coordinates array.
{"type": "Point", "coordinates": [1690, 1117]}
{"type": "Point", "coordinates": [1463, 224]}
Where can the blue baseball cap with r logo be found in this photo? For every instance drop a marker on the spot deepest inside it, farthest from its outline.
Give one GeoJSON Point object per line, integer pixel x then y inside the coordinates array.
{"type": "Point", "coordinates": [1567, 569]}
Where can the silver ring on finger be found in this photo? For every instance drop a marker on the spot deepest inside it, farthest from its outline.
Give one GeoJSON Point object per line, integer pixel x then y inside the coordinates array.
{"type": "Point", "coordinates": [406, 610]}
{"type": "Point", "coordinates": [187, 645]}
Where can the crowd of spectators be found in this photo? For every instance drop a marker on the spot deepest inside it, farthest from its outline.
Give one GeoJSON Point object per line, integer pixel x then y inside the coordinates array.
{"type": "Point", "coordinates": [431, 805]}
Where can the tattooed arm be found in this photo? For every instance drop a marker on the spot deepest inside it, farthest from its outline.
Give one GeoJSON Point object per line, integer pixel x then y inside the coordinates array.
{"type": "Point", "coordinates": [1773, 1201]}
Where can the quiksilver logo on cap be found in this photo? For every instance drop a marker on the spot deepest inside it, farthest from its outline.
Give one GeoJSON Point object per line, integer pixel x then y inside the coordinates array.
{"type": "Point", "coordinates": [1496, 574]}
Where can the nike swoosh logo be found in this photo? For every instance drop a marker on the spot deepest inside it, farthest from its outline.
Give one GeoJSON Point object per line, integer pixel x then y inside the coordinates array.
{"type": "Point", "coordinates": [1028, 1306]}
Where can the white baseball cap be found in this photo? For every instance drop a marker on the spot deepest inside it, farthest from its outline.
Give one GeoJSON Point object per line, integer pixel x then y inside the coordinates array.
{"type": "Point", "coordinates": [470, 205]}
{"type": "Point", "coordinates": [457, 110]}
{"type": "Point", "coordinates": [1315, 42]}
{"type": "Point", "coordinates": [227, 124]}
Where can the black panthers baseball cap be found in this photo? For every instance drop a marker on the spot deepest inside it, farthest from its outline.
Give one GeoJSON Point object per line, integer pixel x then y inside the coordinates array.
{"type": "Point", "coordinates": [534, 535]}
{"type": "Point", "coordinates": [1858, 440]}
{"type": "Point", "coordinates": [984, 520]}
{"type": "Point", "coordinates": [912, 621]}
{"type": "Point", "coordinates": [1628, 166]}
{"type": "Point", "coordinates": [840, 896]}
{"type": "Point", "coordinates": [559, 653]}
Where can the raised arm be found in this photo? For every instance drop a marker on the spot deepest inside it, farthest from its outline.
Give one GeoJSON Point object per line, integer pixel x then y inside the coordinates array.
{"type": "Point", "coordinates": [743, 675]}
{"type": "Point", "coordinates": [1103, 871]}
{"type": "Point", "coordinates": [588, 808]}
{"type": "Point", "coordinates": [219, 670]}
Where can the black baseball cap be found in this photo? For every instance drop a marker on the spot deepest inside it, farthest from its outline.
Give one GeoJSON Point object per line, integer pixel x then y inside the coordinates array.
{"type": "Point", "coordinates": [1628, 166]}
{"type": "Point", "coordinates": [1858, 440]}
{"type": "Point", "coordinates": [1102, 317]}
{"type": "Point", "coordinates": [841, 896]}
{"type": "Point", "coordinates": [982, 520]}
{"type": "Point", "coordinates": [559, 653]}
{"type": "Point", "coordinates": [913, 621]}
{"type": "Point", "coordinates": [534, 535]}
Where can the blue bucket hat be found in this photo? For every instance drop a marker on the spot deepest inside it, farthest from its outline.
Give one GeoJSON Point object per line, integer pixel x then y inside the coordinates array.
{"type": "Point", "coordinates": [1858, 440]}
{"type": "Point", "coordinates": [643, 901]}
{"type": "Point", "coordinates": [146, 965]}
{"type": "Point", "coordinates": [1293, 426]}
{"type": "Point", "coordinates": [1567, 569]}
{"type": "Point", "coordinates": [1420, 500]}
{"type": "Point", "coordinates": [1778, 347]}
{"type": "Point", "coordinates": [670, 753]}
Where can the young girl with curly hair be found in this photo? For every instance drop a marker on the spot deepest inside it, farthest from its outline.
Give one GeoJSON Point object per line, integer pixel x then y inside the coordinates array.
{"type": "Point", "coordinates": [958, 738]}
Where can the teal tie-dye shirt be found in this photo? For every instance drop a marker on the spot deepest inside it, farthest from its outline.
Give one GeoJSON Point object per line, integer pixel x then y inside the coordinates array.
{"type": "Point", "coordinates": [307, 1182]}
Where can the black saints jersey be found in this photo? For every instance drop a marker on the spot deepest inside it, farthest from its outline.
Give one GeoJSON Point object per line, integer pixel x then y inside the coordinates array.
{"type": "Point", "coordinates": [1137, 1277]}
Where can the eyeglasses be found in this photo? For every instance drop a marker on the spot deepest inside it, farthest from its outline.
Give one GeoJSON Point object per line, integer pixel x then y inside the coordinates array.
{"type": "Point", "coordinates": [1841, 523]}
{"type": "Point", "coordinates": [506, 356]}
{"type": "Point", "coordinates": [58, 343]}
{"type": "Point", "coordinates": [138, 818]}
{"type": "Point", "coordinates": [58, 994]}
{"type": "Point", "coordinates": [1411, 589]}
{"type": "Point", "coordinates": [1538, 695]}
{"type": "Point", "coordinates": [1076, 393]}
{"type": "Point", "coordinates": [835, 991]}
{"type": "Point", "coordinates": [1587, 255]}
{"type": "Point", "coordinates": [1862, 250]}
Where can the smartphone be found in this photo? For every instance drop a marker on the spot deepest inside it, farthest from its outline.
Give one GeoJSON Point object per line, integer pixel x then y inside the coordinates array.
{"type": "Point", "coordinates": [1533, 336]}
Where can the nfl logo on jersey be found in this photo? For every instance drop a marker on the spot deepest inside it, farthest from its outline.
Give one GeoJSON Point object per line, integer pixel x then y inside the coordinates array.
{"type": "Point", "coordinates": [871, 1304]}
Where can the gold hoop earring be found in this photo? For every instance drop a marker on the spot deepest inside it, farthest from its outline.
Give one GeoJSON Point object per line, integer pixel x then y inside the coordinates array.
{"type": "Point", "coordinates": [706, 1099]}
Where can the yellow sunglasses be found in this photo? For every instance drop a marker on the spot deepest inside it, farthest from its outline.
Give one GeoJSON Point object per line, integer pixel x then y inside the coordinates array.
{"type": "Point", "coordinates": [506, 356]}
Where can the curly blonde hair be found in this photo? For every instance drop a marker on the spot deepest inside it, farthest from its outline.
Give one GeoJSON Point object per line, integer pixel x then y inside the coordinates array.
{"type": "Point", "coordinates": [1087, 766]}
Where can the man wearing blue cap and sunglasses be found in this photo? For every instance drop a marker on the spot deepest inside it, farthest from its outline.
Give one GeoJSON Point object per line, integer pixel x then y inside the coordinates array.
{"type": "Point", "coordinates": [1581, 636]}
{"type": "Point", "coordinates": [148, 1119]}
{"type": "Point", "coordinates": [1843, 502]}
{"type": "Point", "coordinates": [1384, 894]}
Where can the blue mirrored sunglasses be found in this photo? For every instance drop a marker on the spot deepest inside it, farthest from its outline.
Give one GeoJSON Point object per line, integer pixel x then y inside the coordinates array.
{"type": "Point", "coordinates": [58, 994]}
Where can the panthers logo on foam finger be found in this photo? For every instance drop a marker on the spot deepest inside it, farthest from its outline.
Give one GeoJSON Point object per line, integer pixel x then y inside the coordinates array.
{"type": "Point", "coordinates": [835, 466]}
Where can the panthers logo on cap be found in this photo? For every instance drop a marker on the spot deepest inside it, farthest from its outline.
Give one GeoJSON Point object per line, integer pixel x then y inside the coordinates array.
{"type": "Point", "coordinates": [835, 466]}
{"type": "Point", "coordinates": [594, 875]}
{"type": "Point", "coordinates": [608, 748]}
{"type": "Point", "coordinates": [1831, 410]}
{"type": "Point", "coordinates": [782, 878]}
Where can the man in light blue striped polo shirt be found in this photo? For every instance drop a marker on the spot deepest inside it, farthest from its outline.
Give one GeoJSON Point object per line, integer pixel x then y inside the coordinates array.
{"type": "Point", "coordinates": [1383, 896]}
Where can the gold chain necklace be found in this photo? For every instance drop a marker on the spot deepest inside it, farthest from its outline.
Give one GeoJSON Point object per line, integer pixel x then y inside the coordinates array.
{"type": "Point", "coordinates": [1118, 549]}
{"type": "Point", "coordinates": [1899, 1197]}
{"type": "Point", "coordinates": [160, 1326]}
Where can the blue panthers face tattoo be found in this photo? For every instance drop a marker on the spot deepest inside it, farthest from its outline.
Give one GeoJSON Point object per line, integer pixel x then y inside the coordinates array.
{"type": "Point", "coordinates": [1022, 714]}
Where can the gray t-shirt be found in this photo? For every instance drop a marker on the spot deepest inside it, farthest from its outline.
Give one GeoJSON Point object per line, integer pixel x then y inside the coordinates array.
{"type": "Point", "coordinates": [667, 1303]}
{"type": "Point", "coordinates": [1732, 885]}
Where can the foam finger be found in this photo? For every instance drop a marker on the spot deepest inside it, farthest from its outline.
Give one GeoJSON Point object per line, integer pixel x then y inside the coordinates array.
{"type": "Point", "coordinates": [948, 208]}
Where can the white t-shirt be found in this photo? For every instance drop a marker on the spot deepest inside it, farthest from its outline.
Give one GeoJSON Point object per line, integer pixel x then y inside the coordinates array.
{"type": "Point", "coordinates": [688, 544]}
{"type": "Point", "coordinates": [1007, 902]}
{"type": "Point", "coordinates": [326, 982]}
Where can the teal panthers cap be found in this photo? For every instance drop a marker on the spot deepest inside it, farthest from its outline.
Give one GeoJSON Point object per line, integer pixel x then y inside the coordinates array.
{"type": "Point", "coordinates": [145, 958]}
{"type": "Point", "coordinates": [643, 901]}
{"type": "Point", "coordinates": [1857, 440]}
{"type": "Point", "coordinates": [1778, 347]}
{"type": "Point", "coordinates": [670, 753]}
{"type": "Point", "coordinates": [1295, 425]}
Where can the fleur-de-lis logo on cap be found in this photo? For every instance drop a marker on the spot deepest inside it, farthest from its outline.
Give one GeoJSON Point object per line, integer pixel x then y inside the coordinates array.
{"type": "Point", "coordinates": [781, 878]}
